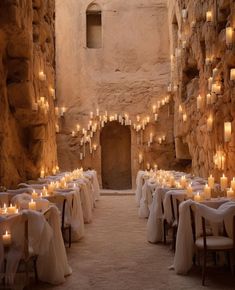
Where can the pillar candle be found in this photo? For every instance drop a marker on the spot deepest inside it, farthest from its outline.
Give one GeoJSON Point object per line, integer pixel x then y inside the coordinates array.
{"type": "Point", "coordinates": [223, 182]}
{"type": "Point", "coordinates": [233, 183]}
{"type": "Point", "coordinates": [211, 181]}
{"type": "Point", "coordinates": [209, 123]}
{"type": "Point", "coordinates": [207, 191]}
{"type": "Point", "coordinates": [34, 194]}
{"type": "Point", "coordinates": [32, 205]}
{"type": "Point", "coordinates": [81, 155]}
{"type": "Point", "coordinates": [209, 16]}
{"type": "Point", "coordinates": [148, 166]}
{"type": "Point", "coordinates": [154, 109]}
{"type": "Point", "coordinates": [199, 102]}
{"type": "Point", "coordinates": [6, 239]}
{"type": "Point", "coordinates": [189, 190]}
{"type": "Point", "coordinates": [11, 209]}
{"type": "Point", "coordinates": [197, 197]}
{"type": "Point", "coordinates": [184, 117]}
{"type": "Point", "coordinates": [151, 137]}
{"type": "Point", "coordinates": [227, 131]}
{"type": "Point", "coordinates": [229, 35]}
{"type": "Point", "coordinates": [156, 117]}
{"type": "Point", "coordinates": [210, 81]}
{"type": "Point", "coordinates": [232, 74]}
{"type": "Point", "coordinates": [208, 99]}
{"type": "Point", "coordinates": [97, 112]}
{"type": "Point", "coordinates": [42, 173]}
{"type": "Point", "coordinates": [230, 193]}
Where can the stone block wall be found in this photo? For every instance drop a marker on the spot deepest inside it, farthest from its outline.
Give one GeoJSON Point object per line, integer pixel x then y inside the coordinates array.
{"type": "Point", "coordinates": [27, 119]}
{"type": "Point", "coordinates": [199, 55]}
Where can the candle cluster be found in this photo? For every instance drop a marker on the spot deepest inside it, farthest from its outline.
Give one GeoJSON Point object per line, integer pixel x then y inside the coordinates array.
{"type": "Point", "coordinates": [8, 210]}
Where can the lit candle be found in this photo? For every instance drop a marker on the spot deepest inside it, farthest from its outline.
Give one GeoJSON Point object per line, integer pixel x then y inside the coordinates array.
{"type": "Point", "coordinates": [148, 166]}
{"type": "Point", "coordinates": [95, 147]}
{"type": "Point", "coordinates": [184, 117]}
{"type": "Point", "coordinates": [6, 239]}
{"type": "Point", "coordinates": [209, 123]}
{"type": "Point", "coordinates": [230, 193]}
{"type": "Point", "coordinates": [44, 191]}
{"type": "Point", "coordinates": [42, 76]}
{"type": "Point", "coordinates": [151, 137]}
{"type": "Point", "coordinates": [227, 131]}
{"type": "Point", "coordinates": [180, 109]}
{"type": "Point", "coordinates": [155, 117]}
{"type": "Point", "coordinates": [32, 205]}
{"type": "Point", "coordinates": [73, 134]}
{"type": "Point", "coordinates": [52, 92]}
{"type": "Point", "coordinates": [211, 181]}
{"type": "Point", "coordinates": [229, 35]}
{"type": "Point", "coordinates": [81, 156]}
{"type": "Point", "coordinates": [34, 194]}
{"type": "Point", "coordinates": [197, 197]}
{"type": "Point", "coordinates": [183, 181]}
{"type": "Point", "coordinates": [54, 171]}
{"type": "Point", "coordinates": [97, 112]}
{"type": "Point", "coordinates": [184, 14]}
{"type": "Point", "coordinates": [208, 99]}
{"type": "Point", "coordinates": [42, 173]}
{"type": "Point", "coordinates": [62, 111]}
{"type": "Point", "coordinates": [207, 191]}
{"type": "Point", "coordinates": [11, 209]}
{"type": "Point", "coordinates": [223, 182]}
{"type": "Point", "coordinates": [209, 16]}
{"type": "Point", "coordinates": [155, 167]}
{"type": "Point", "coordinates": [232, 74]}
{"type": "Point", "coordinates": [154, 109]}
{"type": "Point", "coordinates": [78, 127]}
{"type": "Point", "coordinates": [160, 140]}
{"type": "Point", "coordinates": [189, 190]}
{"type": "Point", "coordinates": [210, 81]}
{"type": "Point", "coordinates": [233, 183]}
{"type": "Point", "coordinates": [138, 118]}
{"type": "Point", "coordinates": [199, 102]}
{"type": "Point", "coordinates": [140, 158]}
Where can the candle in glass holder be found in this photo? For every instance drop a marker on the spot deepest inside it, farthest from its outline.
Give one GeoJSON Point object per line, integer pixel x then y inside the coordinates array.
{"type": "Point", "coordinates": [197, 197]}
{"type": "Point", "coordinates": [230, 193]}
{"type": "Point", "coordinates": [227, 131]}
{"type": "Point", "coordinates": [32, 205]}
{"type": "Point", "coordinates": [207, 191]}
{"type": "Point", "coordinates": [233, 183]}
{"type": "Point", "coordinates": [211, 181]}
{"type": "Point", "coordinates": [223, 182]}
{"type": "Point", "coordinates": [6, 239]}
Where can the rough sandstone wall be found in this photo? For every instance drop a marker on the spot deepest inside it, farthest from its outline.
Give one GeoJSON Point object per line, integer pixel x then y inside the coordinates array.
{"type": "Point", "coordinates": [198, 40]}
{"type": "Point", "coordinates": [128, 74]}
{"type": "Point", "coordinates": [27, 134]}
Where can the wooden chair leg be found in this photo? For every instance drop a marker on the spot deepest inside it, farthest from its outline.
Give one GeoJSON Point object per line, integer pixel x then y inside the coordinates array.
{"type": "Point", "coordinates": [204, 268]}
{"type": "Point", "coordinates": [164, 231]}
{"type": "Point", "coordinates": [35, 269]}
{"type": "Point", "coordinates": [70, 236]}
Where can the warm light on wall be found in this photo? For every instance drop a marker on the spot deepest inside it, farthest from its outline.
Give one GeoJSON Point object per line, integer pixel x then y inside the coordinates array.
{"type": "Point", "coordinates": [227, 131]}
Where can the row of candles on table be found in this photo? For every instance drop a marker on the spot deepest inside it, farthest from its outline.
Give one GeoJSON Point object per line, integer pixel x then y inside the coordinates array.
{"type": "Point", "coordinates": [32, 205]}
{"type": "Point", "coordinates": [166, 178]}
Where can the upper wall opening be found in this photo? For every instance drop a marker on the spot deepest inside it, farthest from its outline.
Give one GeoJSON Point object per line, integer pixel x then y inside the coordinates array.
{"type": "Point", "coordinates": [94, 26]}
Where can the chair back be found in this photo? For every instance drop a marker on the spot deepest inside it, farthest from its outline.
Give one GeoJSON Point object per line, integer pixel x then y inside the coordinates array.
{"type": "Point", "coordinates": [60, 201]}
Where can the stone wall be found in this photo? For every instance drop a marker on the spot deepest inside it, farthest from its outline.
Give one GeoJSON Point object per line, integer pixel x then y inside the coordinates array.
{"type": "Point", "coordinates": [128, 74]}
{"type": "Point", "coordinates": [27, 126]}
{"type": "Point", "coordinates": [200, 55]}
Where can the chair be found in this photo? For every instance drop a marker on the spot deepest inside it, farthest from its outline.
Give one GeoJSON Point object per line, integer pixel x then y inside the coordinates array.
{"type": "Point", "coordinates": [60, 201]}
{"type": "Point", "coordinates": [174, 224]}
{"type": "Point", "coordinates": [27, 255]}
{"type": "Point", "coordinates": [209, 243]}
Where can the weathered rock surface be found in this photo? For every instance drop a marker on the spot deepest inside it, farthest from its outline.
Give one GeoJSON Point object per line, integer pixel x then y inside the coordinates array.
{"type": "Point", "coordinates": [27, 137]}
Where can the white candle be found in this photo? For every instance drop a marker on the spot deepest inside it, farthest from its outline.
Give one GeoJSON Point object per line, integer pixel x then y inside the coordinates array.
{"type": "Point", "coordinates": [91, 115]}
{"type": "Point", "coordinates": [78, 127]}
{"type": "Point", "coordinates": [11, 209]}
{"type": "Point", "coordinates": [32, 205]}
{"type": "Point", "coordinates": [6, 238]}
{"type": "Point", "coordinates": [209, 16]}
{"type": "Point", "coordinates": [42, 173]}
{"type": "Point", "coordinates": [199, 102]}
{"type": "Point", "coordinates": [207, 191]}
{"type": "Point", "coordinates": [229, 35]}
{"type": "Point", "coordinates": [197, 197]}
{"type": "Point", "coordinates": [227, 131]}
{"type": "Point", "coordinates": [232, 74]}
{"type": "Point", "coordinates": [223, 182]}
{"type": "Point", "coordinates": [209, 123]}
{"type": "Point", "coordinates": [230, 193]}
{"type": "Point", "coordinates": [44, 191]}
{"type": "Point", "coordinates": [42, 76]}
{"type": "Point", "coordinates": [233, 183]}
{"type": "Point", "coordinates": [208, 99]}
{"type": "Point", "coordinates": [97, 112]}
{"type": "Point", "coordinates": [148, 166]}
{"type": "Point", "coordinates": [140, 158]}
{"type": "Point", "coordinates": [210, 81]}
{"type": "Point", "coordinates": [184, 117]}
{"type": "Point", "coordinates": [81, 156]}
{"type": "Point", "coordinates": [151, 137]}
{"type": "Point", "coordinates": [183, 181]}
{"type": "Point", "coordinates": [155, 117]}
{"type": "Point", "coordinates": [154, 109]}
{"type": "Point", "coordinates": [138, 118]}
{"type": "Point", "coordinates": [189, 190]}
{"type": "Point", "coordinates": [211, 181]}
{"type": "Point", "coordinates": [34, 194]}
{"type": "Point", "coordinates": [155, 167]}
{"type": "Point", "coordinates": [180, 109]}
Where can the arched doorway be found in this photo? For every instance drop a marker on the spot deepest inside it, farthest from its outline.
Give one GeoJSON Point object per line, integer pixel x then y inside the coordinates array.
{"type": "Point", "coordinates": [116, 156]}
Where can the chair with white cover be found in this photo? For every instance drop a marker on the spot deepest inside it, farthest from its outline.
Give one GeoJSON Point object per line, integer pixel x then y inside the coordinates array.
{"type": "Point", "coordinates": [220, 242]}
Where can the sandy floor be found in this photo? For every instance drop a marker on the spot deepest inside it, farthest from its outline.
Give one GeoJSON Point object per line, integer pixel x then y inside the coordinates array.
{"type": "Point", "coordinates": [114, 255]}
